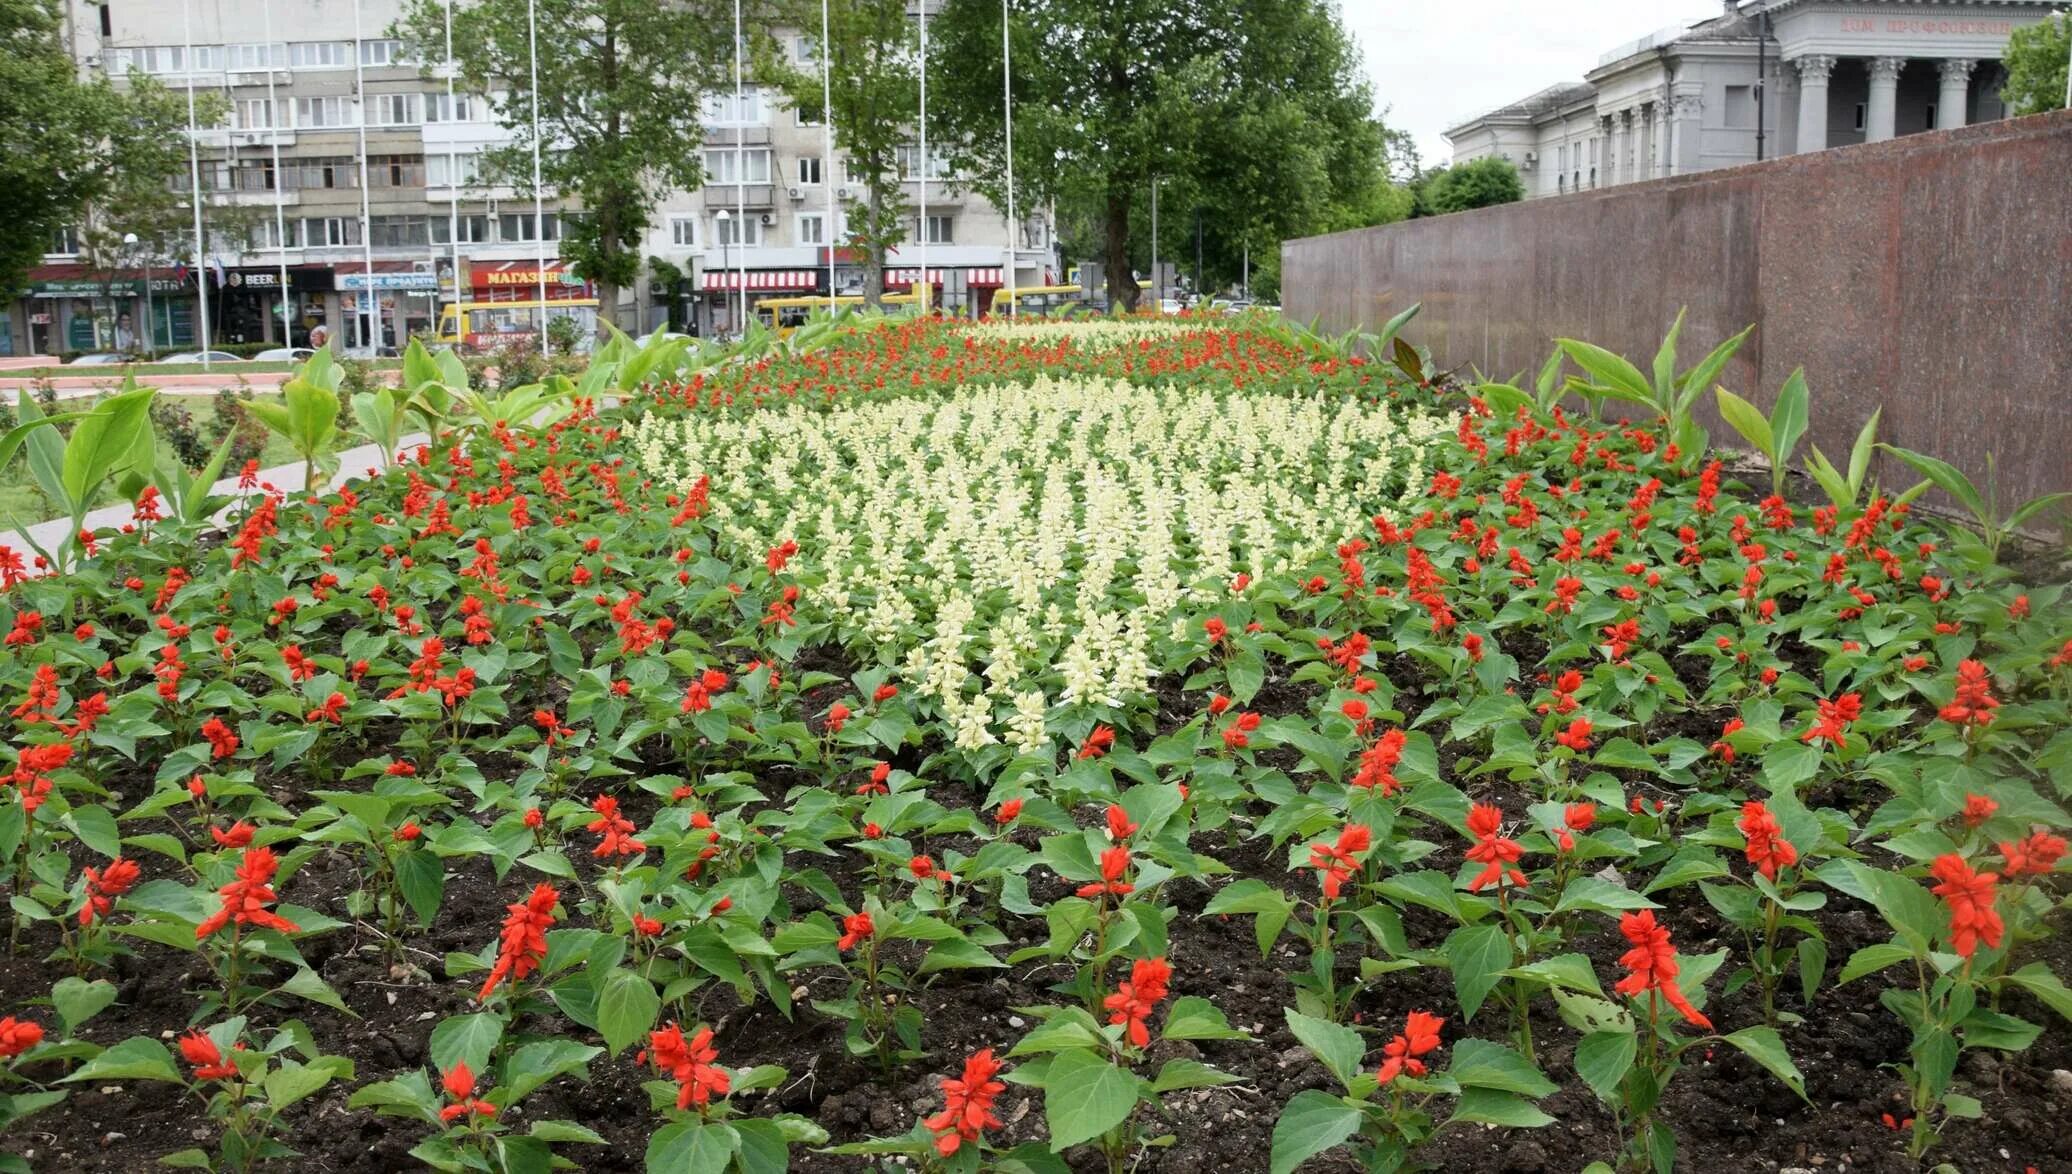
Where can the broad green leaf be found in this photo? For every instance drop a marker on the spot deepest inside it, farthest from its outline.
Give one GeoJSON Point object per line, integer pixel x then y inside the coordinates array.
{"type": "Point", "coordinates": [1745, 418]}
{"type": "Point", "coordinates": [1309, 1124]}
{"type": "Point", "coordinates": [1478, 1063]}
{"type": "Point", "coordinates": [1084, 1096]}
{"type": "Point", "coordinates": [1765, 1047]}
{"type": "Point", "coordinates": [466, 1039]}
{"type": "Point", "coordinates": [1339, 1048]}
{"type": "Point", "coordinates": [1610, 371]}
{"type": "Point", "coordinates": [1478, 955]}
{"type": "Point", "coordinates": [1602, 1060]}
{"type": "Point", "coordinates": [141, 1058]}
{"type": "Point", "coordinates": [1788, 418]}
{"type": "Point", "coordinates": [627, 1008]}
{"type": "Point", "coordinates": [1491, 1107]}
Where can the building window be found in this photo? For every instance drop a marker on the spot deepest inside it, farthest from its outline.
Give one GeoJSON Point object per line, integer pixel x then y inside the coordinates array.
{"type": "Point", "coordinates": [473, 229]}
{"type": "Point", "coordinates": [381, 52]}
{"type": "Point", "coordinates": [1740, 108]}
{"type": "Point", "coordinates": [934, 230]}
{"type": "Point", "coordinates": [809, 171]}
{"type": "Point", "coordinates": [737, 230]}
{"type": "Point", "coordinates": [330, 232]}
{"type": "Point", "coordinates": [518, 226]}
{"type": "Point", "coordinates": [910, 163]}
{"type": "Point", "coordinates": [266, 233]}
{"type": "Point", "coordinates": [256, 113]}
{"type": "Point", "coordinates": [63, 243]}
{"type": "Point", "coordinates": [751, 165]}
{"type": "Point", "coordinates": [320, 55]}
{"type": "Point", "coordinates": [334, 172]}
{"type": "Point", "coordinates": [397, 109]}
{"type": "Point", "coordinates": [723, 109]}
{"type": "Point", "coordinates": [683, 231]}
{"type": "Point", "coordinates": [254, 175]}
{"type": "Point", "coordinates": [1860, 112]}
{"type": "Point", "coordinates": [854, 173]}
{"type": "Point", "coordinates": [453, 108]}
{"type": "Point", "coordinates": [812, 228]}
{"type": "Point", "coordinates": [395, 171]}
{"type": "Point", "coordinates": [805, 50]}
{"type": "Point", "coordinates": [398, 232]}
{"type": "Point", "coordinates": [323, 113]}
{"type": "Point", "coordinates": [445, 171]}
{"type": "Point", "coordinates": [1034, 233]}
{"type": "Point", "coordinates": [255, 55]}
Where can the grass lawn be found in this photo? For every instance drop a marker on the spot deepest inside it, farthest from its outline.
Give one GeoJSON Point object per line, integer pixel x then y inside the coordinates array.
{"type": "Point", "coordinates": [21, 500]}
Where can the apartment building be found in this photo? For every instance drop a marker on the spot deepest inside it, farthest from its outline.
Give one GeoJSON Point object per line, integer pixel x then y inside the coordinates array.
{"type": "Point", "coordinates": [344, 191]}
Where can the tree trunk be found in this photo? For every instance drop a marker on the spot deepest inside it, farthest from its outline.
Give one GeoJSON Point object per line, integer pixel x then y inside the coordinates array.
{"type": "Point", "coordinates": [874, 255]}
{"type": "Point", "coordinates": [1122, 283]}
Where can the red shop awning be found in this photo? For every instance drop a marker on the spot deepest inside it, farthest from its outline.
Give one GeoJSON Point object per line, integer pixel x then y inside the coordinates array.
{"type": "Point", "coordinates": [762, 279]}
{"type": "Point", "coordinates": [907, 276]}
{"type": "Point", "coordinates": [983, 277]}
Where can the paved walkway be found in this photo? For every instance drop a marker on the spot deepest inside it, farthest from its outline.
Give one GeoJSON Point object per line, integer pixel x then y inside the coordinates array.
{"type": "Point", "coordinates": [353, 464]}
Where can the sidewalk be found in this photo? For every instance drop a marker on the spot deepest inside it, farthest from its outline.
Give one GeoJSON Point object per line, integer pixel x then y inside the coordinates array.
{"type": "Point", "coordinates": [353, 464]}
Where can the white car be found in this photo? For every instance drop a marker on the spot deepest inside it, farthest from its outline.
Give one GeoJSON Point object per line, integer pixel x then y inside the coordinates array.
{"type": "Point", "coordinates": [99, 359]}
{"type": "Point", "coordinates": [283, 354]}
{"type": "Point", "coordinates": [201, 356]}
{"type": "Point", "coordinates": [1169, 305]}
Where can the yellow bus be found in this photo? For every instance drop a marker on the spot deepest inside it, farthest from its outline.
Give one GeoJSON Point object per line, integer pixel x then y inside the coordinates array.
{"type": "Point", "coordinates": [785, 315]}
{"type": "Point", "coordinates": [484, 326]}
{"type": "Point", "coordinates": [1039, 301]}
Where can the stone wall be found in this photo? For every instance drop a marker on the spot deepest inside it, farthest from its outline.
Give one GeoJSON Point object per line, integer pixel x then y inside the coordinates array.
{"type": "Point", "coordinates": [1930, 275]}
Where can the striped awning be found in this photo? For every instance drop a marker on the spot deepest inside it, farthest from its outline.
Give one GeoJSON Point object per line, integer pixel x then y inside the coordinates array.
{"type": "Point", "coordinates": [984, 277]}
{"type": "Point", "coordinates": [907, 276]}
{"type": "Point", "coordinates": [762, 279]}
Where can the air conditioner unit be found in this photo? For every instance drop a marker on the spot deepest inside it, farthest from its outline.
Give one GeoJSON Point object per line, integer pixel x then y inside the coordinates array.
{"type": "Point", "coordinates": [795, 192]}
{"type": "Point", "coordinates": [768, 220]}
{"type": "Point", "coordinates": [846, 192]}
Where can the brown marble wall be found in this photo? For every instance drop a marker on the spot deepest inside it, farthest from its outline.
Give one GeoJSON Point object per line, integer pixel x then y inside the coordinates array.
{"type": "Point", "coordinates": [1930, 275]}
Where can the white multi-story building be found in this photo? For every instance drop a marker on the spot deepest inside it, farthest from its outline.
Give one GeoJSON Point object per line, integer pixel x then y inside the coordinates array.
{"type": "Point", "coordinates": [1762, 79]}
{"type": "Point", "coordinates": [357, 175]}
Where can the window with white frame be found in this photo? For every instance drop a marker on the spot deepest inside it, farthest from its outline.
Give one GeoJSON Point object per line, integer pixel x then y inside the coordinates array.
{"type": "Point", "coordinates": [909, 158]}
{"type": "Point", "coordinates": [811, 228]}
{"type": "Point", "coordinates": [749, 165]}
{"type": "Point", "coordinates": [736, 230]}
{"type": "Point", "coordinates": [809, 171]}
{"type": "Point", "coordinates": [518, 226]}
{"type": "Point", "coordinates": [443, 171]}
{"type": "Point", "coordinates": [63, 243]}
{"type": "Point", "coordinates": [806, 115]}
{"type": "Point", "coordinates": [935, 230]}
{"type": "Point", "coordinates": [258, 113]}
{"type": "Point", "coordinates": [320, 54]}
{"type": "Point", "coordinates": [255, 55]}
{"type": "Point", "coordinates": [456, 107]}
{"type": "Point", "coordinates": [474, 229]}
{"type": "Point", "coordinates": [683, 231]}
{"type": "Point", "coordinates": [330, 232]}
{"type": "Point", "coordinates": [322, 113]}
{"type": "Point", "coordinates": [397, 109]}
{"type": "Point", "coordinates": [854, 173]}
{"type": "Point", "coordinates": [266, 233]}
{"type": "Point", "coordinates": [725, 109]}
{"type": "Point", "coordinates": [381, 52]}
{"type": "Point", "coordinates": [805, 50]}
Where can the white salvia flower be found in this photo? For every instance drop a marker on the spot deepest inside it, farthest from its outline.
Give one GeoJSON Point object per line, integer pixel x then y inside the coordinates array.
{"type": "Point", "coordinates": [1026, 732]}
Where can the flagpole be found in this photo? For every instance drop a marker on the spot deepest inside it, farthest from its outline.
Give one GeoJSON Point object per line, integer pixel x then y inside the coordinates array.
{"type": "Point", "coordinates": [539, 198]}
{"type": "Point", "coordinates": [460, 325]}
{"type": "Point", "coordinates": [740, 180]}
{"type": "Point", "coordinates": [921, 281]}
{"type": "Point", "coordinates": [201, 277]}
{"type": "Point", "coordinates": [280, 215]}
{"type": "Point", "coordinates": [371, 333]}
{"type": "Point", "coordinates": [827, 151]}
{"type": "Point", "coordinates": [1007, 89]}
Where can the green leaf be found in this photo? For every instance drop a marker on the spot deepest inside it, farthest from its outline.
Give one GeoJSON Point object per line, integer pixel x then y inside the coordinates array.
{"type": "Point", "coordinates": [1085, 1096]}
{"type": "Point", "coordinates": [1603, 1059]}
{"type": "Point", "coordinates": [1478, 954]}
{"type": "Point", "coordinates": [102, 443]}
{"type": "Point", "coordinates": [132, 1059]}
{"type": "Point", "coordinates": [1788, 421]}
{"type": "Point", "coordinates": [1945, 477]}
{"type": "Point", "coordinates": [291, 1080]}
{"type": "Point", "coordinates": [1610, 371]}
{"type": "Point", "coordinates": [1269, 905]}
{"type": "Point", "coordinates": [1247, 673]}
{"type": "Point", "coordinates": [1702, 376]}
{"type": "Point", "coordinates": [690, 1147]}
{"type": "Point", "coordinates": [1181, 1074]}
{"type": "Point", "coordinates": [1491, 1107]}
{"type": "Point", "coordinates": [1309, 1124]}
{"type": "Point", "coordinates": [78, 1000]}
{"type": "Point", "coordinates": [1338, 1047]}
{"type": "Point", "coordinates": [1665, 361]}
{"type": "Point", "coordinates": [1743, 417]}
{"type": "Point", "coordinates": [1478, 1063]}
{"type": "Point", "coordinates": [627, 1008]}
{"type": "Point", "coordinates": [2038, 980]}
{"type": "Point", "coordinates": [1193, 1017]}
{"type": "Point", "coordinates": [466, 1039]}
{"type": "Point", "coordinates": [1763, 1045]}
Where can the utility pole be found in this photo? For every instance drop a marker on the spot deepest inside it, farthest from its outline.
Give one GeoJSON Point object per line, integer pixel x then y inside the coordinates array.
{"type": "Point", "coordinates": [1198, 292]}
{"type": "Point", "coordinates": [1762, 74]}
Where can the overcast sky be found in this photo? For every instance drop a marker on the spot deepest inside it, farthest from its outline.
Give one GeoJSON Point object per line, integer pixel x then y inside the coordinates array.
{"type": "Point", "coordinates": [1436, 62]}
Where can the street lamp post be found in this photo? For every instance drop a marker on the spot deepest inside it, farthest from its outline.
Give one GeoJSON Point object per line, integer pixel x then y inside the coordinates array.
{"type": "Point", "coordinates": [722, 217]}
{"type": "Point", "coordinates": [129, 239]}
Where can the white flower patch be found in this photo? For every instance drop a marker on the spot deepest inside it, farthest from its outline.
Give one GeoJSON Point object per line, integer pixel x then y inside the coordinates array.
{"type": "Point", "coordinates": [1013, 549]}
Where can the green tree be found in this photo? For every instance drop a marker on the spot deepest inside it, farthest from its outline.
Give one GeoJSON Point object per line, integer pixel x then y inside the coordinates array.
{"type": "Point", "coordinates": [2036, 62]}
{"type": "Point", "coordinates": [69, 141]}
{"type": "Point", "coordinates": [1481, 183]}
{"type": "Point", "coordinates": [1250, 112]}
{"type": "Point", "coordinates": [621, 84]}
{"type": "Point", "coordinates": [872, 49]}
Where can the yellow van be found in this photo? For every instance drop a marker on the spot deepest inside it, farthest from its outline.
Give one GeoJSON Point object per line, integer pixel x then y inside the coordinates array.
{"type": "Point", "coordinates": [785, 315]}
{"type": "Point", "coordinates": [484, 326]}
{"type": "Point", "coordinates": [1039, 301]}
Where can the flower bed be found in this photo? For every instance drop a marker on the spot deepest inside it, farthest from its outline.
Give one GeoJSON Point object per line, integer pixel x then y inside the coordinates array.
{"type": "Point", "coordinates": [1146, 746]}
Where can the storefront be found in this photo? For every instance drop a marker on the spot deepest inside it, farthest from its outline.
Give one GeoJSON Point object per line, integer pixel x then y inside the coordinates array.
{"type": "Point", "coordinates": [519, 281]}
{"type": "Point", "coordinates": [724, 292]}
{"type": "Point", "coordinates": [899, 281]}
{"type": "Point", "coordinates": [71, 308]}
{"type": "Point", "coordinates": [385, 308]}
{"type": "Point", "coordinates": [252, 304]}
{"type": "Point", "coordinates": [981, 285]}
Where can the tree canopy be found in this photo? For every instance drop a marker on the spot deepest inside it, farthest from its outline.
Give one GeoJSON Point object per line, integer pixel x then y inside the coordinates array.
{"type": "Point", "coordinates": [68, 143]}
{"type": "Point", "coordinates": [1481, 183]}
{"type": "Point", "coordinates": [1251, 113]}
{"type": "Point", "coordinates": [2036, 64]}
{"type": "Point", "coordinates": [622, 87]}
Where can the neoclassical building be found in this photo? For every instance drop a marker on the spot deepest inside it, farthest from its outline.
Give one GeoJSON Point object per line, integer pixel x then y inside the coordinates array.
{"type": "Point", "coordinates": [1762, 79]}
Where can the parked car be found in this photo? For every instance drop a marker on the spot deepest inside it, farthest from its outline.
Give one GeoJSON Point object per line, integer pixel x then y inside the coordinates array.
{"type": "Point", "coordinates": [202, 356]}
{"type": "Point", "coordinates": [283, 354]}
{"type": "Point", "coordinates": [1170, 305]}
{"type": "Point", "coordinates": [98, 359]}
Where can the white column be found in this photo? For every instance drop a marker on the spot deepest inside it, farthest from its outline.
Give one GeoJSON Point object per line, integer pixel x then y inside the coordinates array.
{"type": "Point", "coordinates": [1621, 125]}
{"type": "Point", "coordinates": [1813, 72]}
{"type": "Point", "coordinates": [1882, 112]}
{"type": "Point", "coordinates": [1953, 102]}
{"type": "Point", "coordinates": [1658, 138]}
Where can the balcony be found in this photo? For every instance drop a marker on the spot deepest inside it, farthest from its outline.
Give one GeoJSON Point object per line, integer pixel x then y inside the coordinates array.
{"type": "Point", "coordinates": [752, 196]}
{"type": "Point", "coordinates": [727, 136]}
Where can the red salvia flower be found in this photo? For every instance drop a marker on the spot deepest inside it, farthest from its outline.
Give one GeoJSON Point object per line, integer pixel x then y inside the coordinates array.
{"type": "Point", "coordinates": [1768, 850]}
{"type": "Point", "coordinates": [615, 830]}
{"type": "Point", "coordinates": [967, 1104]}
{"type": "Point", "coordinates": [1577, 736]}
{"type": "Point", "coordinates": [1969, 894]}
{"type": "Point", "coordinates": [1009, 811]}
{"type": "Point", "coordinates": [855, 928]}
{"type": "Point", "coordinates": [1097, 743]}
{"type": "Point", "coordinates": [1115, 864]}
{"type": "Point", "coordinates": [2036, 855]}
{"type": "Point", "coordinates": [1338, 861]}
{"type": "Point", "coordinates": [522, 944]}
{"type": "Point", "coordinates": [208, 1060]}
{"type": "Point", "coordinates": [245, 899]}
{"type": "Point", "coordinates": [1651, 965]}
{"type": "Point", "coordinates": [1835, 717]}
{"type": "Point", "coordinates": [1137, 996]}
{"type": "Point", "coordinates": [18, 1036]}
{"type": "Point", "coordinates": [1378, 762]}
{"type": "Point", "coordinates": [1974, 703]}
{"type": "Point", "coordinates": [1119, 826]}
{"type": "Point", "coordinates": [1237, 735]}
{"type": "Point", "coordinates": [1420, 1038]}
{"type": "Point", "coordinates": [459, 1083]}
{"type": "Point", "coordinates": [104, 885]}
{"type": "Point", "coordinates": [1497, 854]}
{"type": "Point", "coordinates": [691, 1064]}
